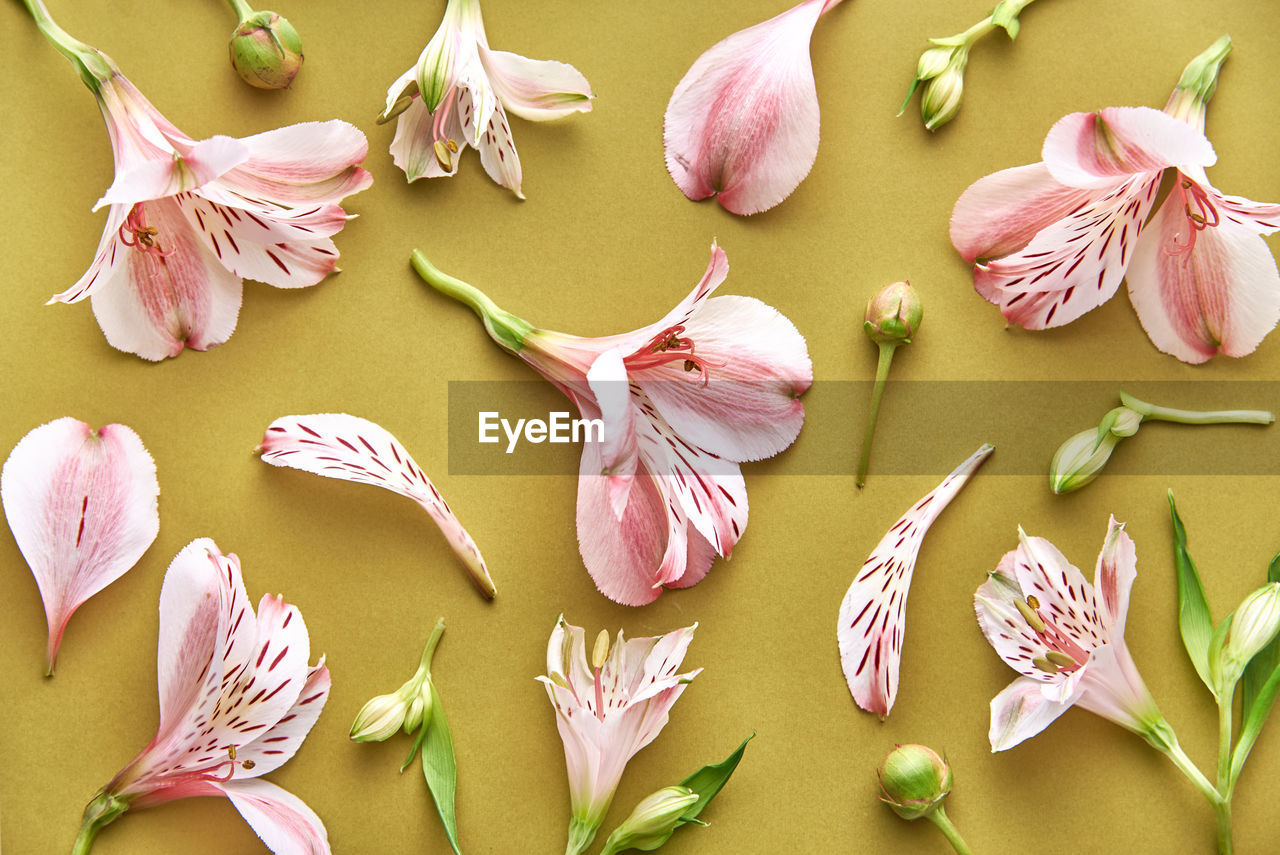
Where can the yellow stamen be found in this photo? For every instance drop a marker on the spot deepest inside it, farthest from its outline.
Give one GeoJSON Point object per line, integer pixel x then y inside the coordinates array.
{"type": "Point", "coordinates": [1057, 657]}
{"type": "Point", "coordinates": [601, 651]}
{"type": "Point", "coordinates": [1029, 615]}
{"type": "Point", "coordinates": [1045, 665]}
{"type": "Point", "coordinates": [453, 146]}
{"type": "Point", "coordinates": [247, 765]}
{"type": "Point", "coordinates": [442, 155]}
{"type": "Point", "coordinates": [231, 751]}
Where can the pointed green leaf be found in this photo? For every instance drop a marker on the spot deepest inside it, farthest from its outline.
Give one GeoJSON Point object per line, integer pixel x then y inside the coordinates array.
{"type": "Point", "coordinates": [1265, 661]}
{"type": "Point", "coordinates": [708, 780]}
{"type": "Point", "coordinates": [440, 767]}
{"type": "Point", "coordinates": [1255, 715]}
{"type": "Point", "coordinates": [1194, 619]}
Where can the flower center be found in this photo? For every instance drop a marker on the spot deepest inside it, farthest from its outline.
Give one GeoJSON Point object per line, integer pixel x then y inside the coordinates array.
{"type": "Point", "coordinates": [668, 346]}
{"type": "Point", "coordinates": [1204, 216]}
{"type": "Point", "coordinates": [135, 232]}
{"type": "Point", "coordinates": [444, 147]}
{"type": "Point", "coordinates": [1062, 653]}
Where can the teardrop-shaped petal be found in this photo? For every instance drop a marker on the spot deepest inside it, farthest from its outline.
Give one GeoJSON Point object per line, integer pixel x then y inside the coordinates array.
{"type": "Point", "coordinates": [1020, 712]}
{"type": "Point", "coordinates": [1203, 290]}
{"type": "Point", "coordinates": [157, 302]}
{"type": "Point", "coordinates": [302, 165]}
{"type": "Point", "coordinates": [350, 448]}
{"type": "Point", "coordinates": [498, 151]}
{"type": "Point", "coordinates": [743, 122]}
{"type": "Point", "coordinates": [81, 504]}
{"type": "Point", "coordinates": [1001, 213]}
{"type": "Point", "coordinates": [873, 612]}
{"type": "Point", "coordinates": [757, 366]}
{"type": "Point", "coordinates": [1114, 144]}
{"type": "Point", "coordinates": [159, 177]}
{"type": "Point", "coordinates": [536, 89]}
{"type": "Point", "coordinates": [622, 555]}
{"type": "Point", "coordinates": [282, 820]}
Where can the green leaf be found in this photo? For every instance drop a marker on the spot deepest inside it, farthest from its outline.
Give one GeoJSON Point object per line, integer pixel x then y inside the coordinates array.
{"type": "Point", "coordinates": [1194, 619]}
{"type": "Point", "coordinates": [440, 767]}
{"type": "Point", "coordinates": [708, 781]}
{"type": "Point", "coordinates": [1266, 659]}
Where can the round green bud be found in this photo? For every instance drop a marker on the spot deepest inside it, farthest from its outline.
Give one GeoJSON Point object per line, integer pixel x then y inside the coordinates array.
{"type": "Point", "coordinates": [266, 51]}
{"type": "Point", "coordinates": [914, 780]}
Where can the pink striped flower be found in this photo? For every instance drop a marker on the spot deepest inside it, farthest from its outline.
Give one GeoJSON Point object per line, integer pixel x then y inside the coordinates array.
{"type": "Point", "coordinates": [742, 124]}
{"type": "Point", "coordinates": [1053, 240]}
{"type": "Point", "coordinates": [458, 95]}
{"type": "Point", "coordinates": [81, 504]}
{"type": "Point", "coordinates": [1065, 637]}
{"type": "Point", "coordinates": [683, 401]}
{"type": "Point", "coordinates": [237, 698]}
{"type": "Point", "coordinates": [350, 448]}
{"type": "Point", "coordinates": [873, 615]}
{"type": "Point", "coordinates": [188, 220]}
{"type": "Point", "coordinates": [608, 707]}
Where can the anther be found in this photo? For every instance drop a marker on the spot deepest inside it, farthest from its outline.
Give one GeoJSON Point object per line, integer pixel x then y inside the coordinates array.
{"type": "Point", "coordinates": [1045, 665]}
{"type": "Point", "coordinates": [441, 151]}
{"type": "Point", "coordinates": [601, 650]}
{"type": "Point", "coordinates": [1029, 615]}
{"type": "Point", "coordinates": [1062, 660]}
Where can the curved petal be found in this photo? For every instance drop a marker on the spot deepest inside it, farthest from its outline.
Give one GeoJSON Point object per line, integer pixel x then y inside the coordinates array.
{"type": "Point", "coordinates": [757, 366]}
{"type": "Point", "coordinates": [111, 250]}
{"type": "Point", "coordinates": [412, 148]}
{"type": "Point", "coordinates": [157, 302]}
{"type": "Point", "coordinates": [337, 445]}
{"type": "Point", "coordinates": [1064, 597]}
{"type": "Point", "coordinates": [622, 555]}
{"type": "Point", "coordinates": [309, 163]}
{"type": "Point", "coordinates": [280, 741]}
{"type": "Point", "coordinates": [536, 89]}
{"type": "Point", "coordinates": [1002, 213]}
{"type": "Point", "coordinates": [1113, 578]}
{"type": "Point", "coordinates": [697, 563]}
{"type": "Point", "coordinates": [1200, 292]}
{"type": "Point", "coordinates": [168, 176]}
{"type": "Point", "coordinates": [620, 453]}
{"type": "Point", "coordinates": [282, 820]}
{"type": "Point", "coordinates": [1020, 712]}
{"type": "Point", "coordinates": [1116, 143]}
{"type": "Point", "coordinates": [1074, 265]}
{"type": "Point", "coordinates": [743, 122]}
{"type": "Point", "coordinates": [288, 249]}
{"type": "Point", "coordinates": [498, 150]}
{"type": "Point", "coordinates": [82, 508]}
{"type": "Point", "coordinates": [870, 639]}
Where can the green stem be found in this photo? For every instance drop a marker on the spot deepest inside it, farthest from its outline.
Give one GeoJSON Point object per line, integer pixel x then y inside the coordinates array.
{"type": "Point", "coordinates": [1180, 759]}
{"type": "Point", "coordinates": [94, 68]}
{"type": "Point", "coordinates": [1224, 744]}
{"type": "Point", "coordinates": [877, 392]}
{"type": "Point", "coordinates": [432, 643]}
{"type": "Point", "coordinates": [938, 817]}
{"type": "Point", "coordinates": [581, 833]}
{"type": "Point", "coordinates": [1196, 417]}
{"type": "Point", "coordinates": [1223, 813]}
{"type": "Point", "coordinates": [503, 327]}
{"type": "Point", "coordinates": [242, 9]}
{"type": "Point", "coordinates": [98, 814]}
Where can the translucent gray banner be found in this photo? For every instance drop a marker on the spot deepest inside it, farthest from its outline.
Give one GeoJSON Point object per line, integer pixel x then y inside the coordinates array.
{"type": "Point", "coordinates": [926, 428]}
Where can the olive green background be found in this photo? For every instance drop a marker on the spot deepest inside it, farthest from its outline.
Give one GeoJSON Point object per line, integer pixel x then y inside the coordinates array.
{"type": "Point", "coordinates": [606, 243]}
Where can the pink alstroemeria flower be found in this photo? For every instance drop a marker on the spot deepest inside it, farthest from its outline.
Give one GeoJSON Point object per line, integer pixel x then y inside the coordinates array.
{"type": "Point", "coordinates": [188, 220]}
{"type": "Point", "coordinates": [350, 448]}
{"type": "Point", "coordinates": [237, 698]}
{"type": "Point", "coordinates": [608, 707]}
{"type": "Point", "coordinates": [683, 401]}
{"type": "Point", "coordinates": [873, 614]}
{"type": "Point", "coordinates": [81, 504]}
{"type": "Point", "coordinates": [458, 95]}
{"type": "Point", "coordinates": [1065, 637]}
{"type": "Point", "coordinates": [743, 122]}
{"type": "Point", "coordinates": [1053, 240]}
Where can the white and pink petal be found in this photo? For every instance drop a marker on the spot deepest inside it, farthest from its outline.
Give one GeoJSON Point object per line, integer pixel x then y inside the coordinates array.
{"type": "Point", "coordinates": [536, 89]}
{"type": "Point", "coordinates": [1020, 712]}
{"type": "Point", "coordinates": [1115, 144]}
{"type": "Point", "coordinates": [302, 165]}
{"type": "Point", "coordinates": [349, 448]}
{"type": "Point", "coordinates": [282, 820]}
{"type": "Point", "coordinates": [81, 504]}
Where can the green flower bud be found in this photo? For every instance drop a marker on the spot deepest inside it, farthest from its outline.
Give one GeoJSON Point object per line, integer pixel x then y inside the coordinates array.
{"type": "Point", "coordinates": [380, 718]}
{"type": "Point", "coordinates": [914, 780]}
{"type": "Point", "coordinates": [1079, 460]}
{"type": "Point", "coordinates": [940, 100]}
{"type": "Point", "coordinates": [1253, 625]}
{"type": "Point", "coordinates": [894, 314]}
{"type": "Point", "coordinates": [652, 822]}
{"type": "Point", "coordinates": [933, 62]}
{"type": "Point", "coordinates": [419, 708]}
{"type": "Point", "coordinates": [266, 51]}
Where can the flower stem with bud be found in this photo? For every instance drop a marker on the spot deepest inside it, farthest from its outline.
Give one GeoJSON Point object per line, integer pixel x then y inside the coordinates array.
{"type": "Point", "coordinates": [93, 65]}
{"type": "Point", "coordinates": [893, 316]}
{"type": "Point", "coordinates": [265, 48]}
